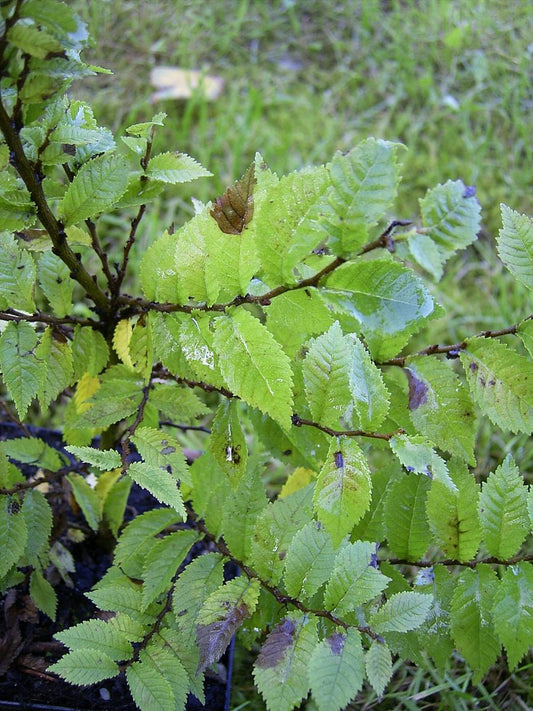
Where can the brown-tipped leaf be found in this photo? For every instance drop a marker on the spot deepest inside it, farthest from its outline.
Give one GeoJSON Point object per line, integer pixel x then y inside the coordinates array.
{"type": "Point", "coordinates": [214, 638]}
{"type": "Point", "coordinates": [234, 210]}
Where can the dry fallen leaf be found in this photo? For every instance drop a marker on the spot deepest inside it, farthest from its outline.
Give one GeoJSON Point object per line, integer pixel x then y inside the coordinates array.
{"type": "Point", "coordinates": [175, 83]}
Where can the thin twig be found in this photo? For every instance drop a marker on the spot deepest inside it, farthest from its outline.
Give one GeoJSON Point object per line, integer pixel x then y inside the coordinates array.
{"type": "Point", "coordinates": [298, 421]}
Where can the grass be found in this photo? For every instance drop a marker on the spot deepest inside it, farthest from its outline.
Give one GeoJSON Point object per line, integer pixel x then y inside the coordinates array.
{"type": "Point", "coordinates": [451, 80]}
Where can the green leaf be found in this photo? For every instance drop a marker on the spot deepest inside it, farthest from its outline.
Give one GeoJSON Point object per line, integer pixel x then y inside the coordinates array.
{"type": "Point", "coordinates": [355, 579]}
{"type": "Point", "coordinates": [295, 315]}
{"type": "Point", "coordinates": [326, 373]}
{"type": "Point", "coordinates": [101, 459]}
{"type": "Point", "coordinates": [34, 451]}
{"type": "Point", "coordinates": [13, 534]}
{"type": "Point", "coordinates": [138, 537]}
{"type": "Point", "coordinates": [58, 374]}
{"type": "Point", "coordinates": [56, 284]}
{"type": "Point", "coordinates": [85, 666]}
{"type": "Point", "coordinates": [221, 615]}
{"type": "Point", "coordinates": [471, 620]}
{"type": "Point", "coordinates": [175, 168]}
{"type": "Point", "coordinates": [32, 40]}
{"type": "Point", "coordinates": [500, 381]}
{"type": "Point", "coordinates": [162, 562]}
{"type": "Point", "coordinates": [17, 275]}
{"type": "Point", "coordinates": [106, 636]}
{"type": "Point", "coordinates": [274, 530]}
{"type": "Point", "coordinates": [378, 664]}
{"type": "Point", "coordinates": [241, 512]}
{"type": "Point", "coordinates": [513, 611]}
{"type": "Point", "coordinates": [343, 489]}
{"type": "Point", "coordinates": [90, 352]}
{"type": "Point", "coordinates": [148, 687]}
{"type": "Point", "coordinates": [115, 592]}
{"type": "Point", "coordinates": [159, 449]}
{"type": "Point", "coordinates": [404, 611]}
{"type": "Point", "coordinates": [525, 331]}
{"type": "Point", "coordinates": [387, 299]}
{"type": "Point", "coordinates": [284, 223]}
{"type": "Point", "coordinates": [369, 393]}
{"type": "Point", "coordinates": [118, 397]}
{"type": "Point", "coordinates": [254, 365]}
{"type": "Point", "coordinates": [406, 524]}
{"type": "Point", "coordinates": [88, 500]}
{"type": "Point", "coordinates": [21, 369]}
{"type": "Point", "coordinates": [515, 245]}
{"type": "Point", "coordinates": [43, 594]}
{"type": "Point", "coordinates": [503, 510]}
{"type": "Point", "coordinates": [160, 483]}
{"type": "Point", "coordinates": [453, 515]}
{"type": "Point", "coordinates": [281, 669]}
{"type": "Point", "coordinates": [38, 520]}
{"type": "Point", "coordinates": [195, 340]}
{"type": "Point", "coordinates": [336, 670]}
{"type": "Point", "coordinates": [440, 407]}
{"type": "Point", "coordinates": [451, 221]}
{"type": "Point", "coordinates": [163, 654]}
{"type": "Point", "coordinates": [203, 576]}
{"type": "Point", "coordinates": [96, 187]}
{"type": "Point", "coordinates": [309, 561]}
{"type": "Point", "coordinates": [416, 454]}
{"type": "Point", "coordinates": [227, 441]}
{"type": "Point", "coordinates": [364, 183]}
{"type": "Point", "coordinates": [211, 492]}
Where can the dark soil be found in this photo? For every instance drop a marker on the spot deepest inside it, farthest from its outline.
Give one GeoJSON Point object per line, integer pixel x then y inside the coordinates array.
{"type": "Point", "coordinates": [27, 646]}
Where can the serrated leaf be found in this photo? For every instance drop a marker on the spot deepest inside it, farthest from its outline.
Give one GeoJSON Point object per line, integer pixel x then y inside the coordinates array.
{"type": "Point", "coordinates": [283, 224]}
{"type": "Point", "coordinates": [175, 168]}
{"type": "Point", "coordinates": [56, 284]}
{"type": "Point", "coordinates": [513, 611]}
{"type": "Point", "coordinates": [471, 619]}
{"type": "Point", "coordinates": [451, 220]}
{"type": "Point", "coordinates": [274, 530]}
{"type": "Point", "coordinates": [160, 483]}
{"type": "Point", "coordinates": [405, 519]}
{"type": "Point", "coordinates": [503, 510]}
{"type": "Point", "coordinates": [115, 592]}
{"type": "Point", "coordinates": [211, 492]}
{"type": "Point", "coordinates": [88, 500]}
{"type": "Point", "coordinates": [370, 396]}
{"type": "Point", "coordinates": [343, 489]}
{"type": "Point", "coordinates": [38, 520]}
{"type": "Point", "coordinates": [364, 183]}
{"type": "Point", "coordinates": [138, 537]}
{"type": "Point", "coordinates": [21, 369]}
{"type": "Point", "coordinates": [162, 562]}
{"type": "Point", "coordinates": [295, 315]}
{"type": "Point", "coordinates": [148, 687]}
{"type": "Point", "coordinates": [387, 299]}
{"type": "Point", "coordinates": [121, 341]}
{"type": "Point", "coordinates": [55, 354]}
{"type": "Point", "coordinates": [417, 454]}
{"type": "Point", "coordinates": [254, 365]}
{"type": "Point", "coordinates": [440, 407]}
{"type": "Point", "coordinates": [118, 396]}
{"type": "Point", "coordinates": [200, 578]}
{"type": "Point", "coordinates": [96, 187]}
{"type": "Point", "coordinates": [101, 459]}
{"type": "Point", "coordinates": [355, 579]}
{"type": "Point", "coordinates": [43, 594]}
{"type": "Point", "coordinates": [32, 40]}
{"type": "Point", "coordinates": [309, 561]}
{"type": "Point", "coordinates": [501, 382]}
{"type": "Point", "coordinates": [326, 374]}
{"type": "Point", "coordinates": [378, 664]}
{"type": "Point", "coordinates": [106, 636]}
{"type": "Point", "coordinates": [234, 210]}
{"type": "Point", "coordinates": [159, 449]}
{"type": "Point", "coordinates": [453, 515]}
{"type": "Point", "coordinates": [195, 339]}
{"type": "Point", "coordinates": [227, 442]}
{"type": "Point", "coordinates": [89, 351]}
{"type": "Point", "coordinates": [17, 275]}
{"type": "Point", "coordinates": [85, 666]}
{"type": "Point", "coordinates": [403, 612]}
{"type": "Point", "coordinates": [34, 451]}
{"type": "Point", "coordinates": [515, 244]}
{"type": "Point", "coordinates": [241, 513]}
{"type": "Point", "coordinates": [221, 615]}
{"type": "Point", "coordinates": [163, 655]}
{"type": "Point", "coordinates": [280, 670]}
{"type": "Point", "coordinates": [336, 670]}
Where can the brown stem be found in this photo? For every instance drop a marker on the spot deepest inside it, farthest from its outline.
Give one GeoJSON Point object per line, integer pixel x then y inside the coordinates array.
{"type": "Point", "coordinates": [298, 421]}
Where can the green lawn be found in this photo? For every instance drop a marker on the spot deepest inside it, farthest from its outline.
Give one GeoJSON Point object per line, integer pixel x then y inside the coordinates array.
{"type": "Point", "coordinates": [451, 80]}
